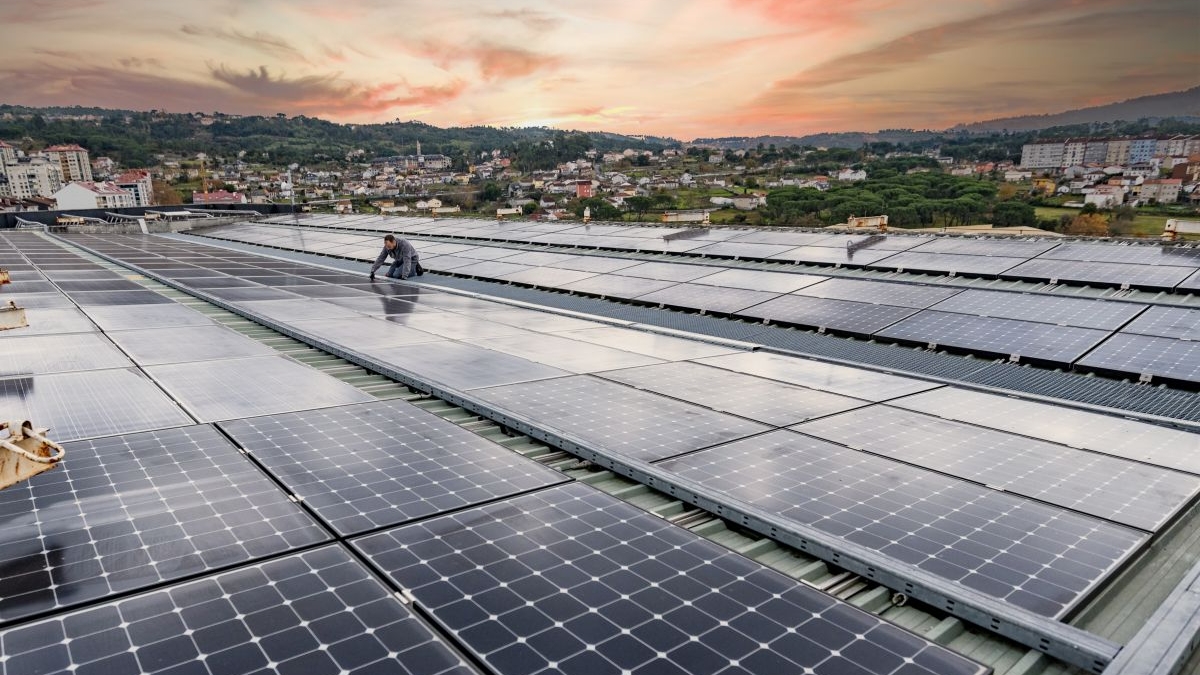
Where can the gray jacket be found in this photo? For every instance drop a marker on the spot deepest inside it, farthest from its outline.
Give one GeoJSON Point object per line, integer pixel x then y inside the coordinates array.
{"type": "Point", "coordinates": [403, 253]}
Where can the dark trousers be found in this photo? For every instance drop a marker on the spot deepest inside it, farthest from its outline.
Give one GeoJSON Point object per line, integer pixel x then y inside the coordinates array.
{"type": "Point", "coordinates": [402, 268]}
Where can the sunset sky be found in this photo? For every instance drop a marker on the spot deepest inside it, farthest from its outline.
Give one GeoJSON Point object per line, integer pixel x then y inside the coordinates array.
{"type": "Point", "coordinates": [683, 68]}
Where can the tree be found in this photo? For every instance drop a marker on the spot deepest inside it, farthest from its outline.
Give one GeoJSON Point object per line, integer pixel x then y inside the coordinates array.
{"type": "Point", "coordinates": [1088, 225]}
{"type": "Point", "coordinates": [1006, 191]}
{"type": "Point", "coordinates": [165, 195]}
{"type": "Point", "coordinates": [639, 204]}
{"type": "Point", "coordinates": [1011, 214]}
{"type": "Point", "coordinates": [491, 192]}
{"type": "Point", "coordinates": [600, 209]}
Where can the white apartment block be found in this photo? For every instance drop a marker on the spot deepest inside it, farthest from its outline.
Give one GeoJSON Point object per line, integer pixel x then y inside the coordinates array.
{"type": "Point", "coordinates": [138, 184]}
{"type": "Point", "coordinates": [1042, 156]}
{"type": "Point", "coordinates": [8, 154]}
{"type": "Point", "coordinates": [1074, 153]}
{"type": "Point", "coordinates": [28, 178]}
{"type": "Point", "coordinates": [88, 195]}
{"type": "Point", "coordinates": [1118, 152]}
{"type": "Point", "coordinates": [76, 167]}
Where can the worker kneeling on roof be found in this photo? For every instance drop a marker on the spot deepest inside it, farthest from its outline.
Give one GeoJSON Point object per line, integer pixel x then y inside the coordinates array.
{"type": "Point", "coordinates": [405, 261]}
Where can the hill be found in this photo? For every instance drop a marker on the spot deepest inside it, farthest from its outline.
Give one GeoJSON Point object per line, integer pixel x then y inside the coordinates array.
{"type": "Point", "coordinates": [1177, 105]}
{"type": "Point", "coordinates": [134, 138]}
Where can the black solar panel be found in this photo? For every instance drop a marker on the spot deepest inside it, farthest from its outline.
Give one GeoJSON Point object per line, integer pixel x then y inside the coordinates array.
{"type": "Point", "coordinates": [463, 366]}
{"type": "Point", "coordinates": [1107, 487]}
{"type": "Point", "coordinates": [129, 317]}
{"type": "Point", "coordinates": [288, 311]}
{"type": "Point", "coordinates": [1081, 312]}
{"type": "Point", "coordinates": [948, 262]}
{"type": "Point", "coordinates": [755, 398]}
{"type": "Point", "coordinates": [125, 512]}
{"type": "Point", "coordinates": [1154, 277]}
{"type": "Point", "coordinates": [616, 418]}
{"type": "Point", "coordinates": [50, 321]}
{"type": "Point", "coordinates": [366, 466]}
{"type": "Point", "coordinates": [1172, 322]}
{"type": "Point", "coordinates": [317, 613]}
{"type": "Point", "coordinates": [1012, 249]}
{"type": "Point", "coordinates": [565, 353]}
{"type": "Point", "coordinates": [755, 280]}
{"type": "Point", "coordinates": [844, 380]}
{"type": "Point", "coordinates": [1158, 357]}
{"type": "Point", "coordinates": [708, 298]}
{"type": "Point", "coordinates": [618, 286]}
{"type": "Point", "coordinates": [917, 296]}
{"type": "Point", "coordinates": [1109, 434]}
{"type": "Point", "coordinates": [859, 318]}
{"type": "Point", "coordinates": [1003, 337]}
{"type": "Point", "coordinates": [90, 403]}
{"type": "Point", "coordinates": [224, 389]}
{"type": "Point", "coordinates": [100, 285]}
{"type": "Point", "coordinates": [572, 581]}
{"type": "Point", "coordinates": [548, 277]}
{"type": "Point", "coordinates": [664, 271]}
{"type": "Point", "coordinates": [1035, 556]}
{"type": "Point", "coordinates": [1124, 253]}
{"type": "Point", "coordinates": [102, 298]}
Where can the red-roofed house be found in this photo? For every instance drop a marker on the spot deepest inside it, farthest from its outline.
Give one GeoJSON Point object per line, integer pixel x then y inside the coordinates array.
{"type": "Point", "coordinates": [76, 167]}
{"type": "Point", "coordinates": [138, 183]}
{"type": "Point", "coordinates": [88, 195]}
{"type": "Point", "coordinates": [218, 197]}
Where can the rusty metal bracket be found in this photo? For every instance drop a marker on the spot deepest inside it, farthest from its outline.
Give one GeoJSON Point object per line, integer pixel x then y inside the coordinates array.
{"type": "Point", "coordinates": [12, 316]}
{"type": "Point", "coordinates": [26, 452]}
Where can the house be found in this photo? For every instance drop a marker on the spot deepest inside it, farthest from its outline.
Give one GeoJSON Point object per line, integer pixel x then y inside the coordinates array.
{"type": "Point", "coordinates": [1161, 190]}
{"type": "Point", "coordinates": [1015, 176]}
{"type": "Point", "coordinates": [746, 202]}
{"type": "Point", "coordinates": [218, 197]}
{"type": "Point", "coordinates": [1106, 196]}
{"type": "Point", "coordinates": [89, 195]}
{"type": "Point", "coordinates": [852, 175]}
{"type": "Point", "coordinates": [583, 189]}
{"type": "Point", "coordinates": [1045, 185]}
{"type": "Point", "coordinates": [138, 183]}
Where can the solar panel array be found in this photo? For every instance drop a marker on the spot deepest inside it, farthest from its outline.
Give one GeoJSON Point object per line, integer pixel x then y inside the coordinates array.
{"type": "Point", "coordinates": [1152, 266]}
{"type": "Point", "coordinates": [165, 544]}
{"type": "Point", "coordinates": [1084, 333]}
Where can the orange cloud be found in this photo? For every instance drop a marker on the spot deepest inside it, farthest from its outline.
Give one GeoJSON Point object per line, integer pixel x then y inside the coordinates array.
{"type": "Point", "coordinates": [330, 94]}
{"type": "Point", "coordinates": [495, 62]}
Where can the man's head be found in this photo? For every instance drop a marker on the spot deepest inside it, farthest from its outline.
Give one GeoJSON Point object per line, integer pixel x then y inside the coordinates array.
{"type": "Point", "coordinates": [389, 242]}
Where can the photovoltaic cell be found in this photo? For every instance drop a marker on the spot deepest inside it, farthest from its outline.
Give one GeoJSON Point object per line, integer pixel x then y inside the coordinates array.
{"type": "Point", "coordinates": [288, 311]}
{"type": "Point", "coordinates": [1172, 322]}
{"type": "Point", "coordinates": [565, 353]}
{"type": "Point", "coordinates": [617, 286]}
{"type": "Point", "coordinates": [1080, 312]}
{"type": "Point", "coordinates": [1035, 556]}
{"type": "Point", "coordinates": [1012, 249]}
{"type": "Point", "coordinates": [319, 612]}
{"type": "Point", "coordinates": [104, 298]}
{"type": "Point", "coordinates": [1004, 337]}
{"type": "Point", "coordinates": [126, 512]}
{"type": "Point", "coordinates": [548, 277]}
{"type": "Point", "coordinates": [756, 280]}
{"type": "Point", "coordinates": [708, 298]}
{"type": "Point", "coordinates": [756, 398]}
{"type": "Point", "coordinates": [225, 389]}
{"type": "Point", "coordinates": [947, 262]}
{"type": "Point", "coordinates": [156, 346]}
{"type": "Point", "coordinates": [572, 581]}
{"type": "Point", "coordinates": [859, 318]}
{"type": "Point", "coordinates": [669, 271]}
{"type": "Point", "coordinates": [45, 354]}
{"type": "Point", "coordinates": [1111, 435]}
{"type": "Point", "coordinates": [1157, 277]}
{"type": "Point", "coordinates": [616, 418]}
{"type": "Point", "coordinates": [659, 346]}
{"type": "Point", "coordinates": [1107, 487]}
{"type": "Point", "coordinates": [844, 380]}
{"type": "Point", "coordinates": [372, 465]}
{"type": "Point", "coordinates": [128, 317]}
{"type": "Point", "coordinates": [916, 296]}
{"type": "Point", "coordinates": [90, 403]}
{"type": "Point", "coordinates": [1145, 355]}
{"type": "Point", "coordinates": [1124, 253]}
{"type": "Point", "coordinates": [464, 366]}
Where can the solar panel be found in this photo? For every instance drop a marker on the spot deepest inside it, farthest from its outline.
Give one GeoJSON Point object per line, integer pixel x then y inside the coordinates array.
{"type": "Point", "coordinates": [616, 418]}
{"type": "Point", "coordinates": [1106, 487]}
{"type": "Point", "coordinates": [288, 311]}
{"type": "Point", "coordinates": [463, 366]}
{"type": "Point", "coordinates": [491, 269]}
{"type": "Point", "coordinates": [708, 298]}
{"type": "Point", "coordinates": [1081, 312]}
{"type": "Point", "coordinates": [1154, 277]}
{"type": "Point", "coordinates": [1172, 322]}
{"type": "Point", "coordinates": [257, 293]}
{"type": "Point", "coordinates": [22, 287]}
{"type": "Point", "coordinates": [126, 512]}
{"type": "Point", "coordinates": [1003, 337]}
{"type": "Point", "coordinates": [486, 252]}
{"type": "Point", "coordinates": [755, 280]}
{"type": "Point", "coordinates": [755, 398]}
{"type": "Point", "coordinates": [156, 346]}
{"type": "Point", "coordinates": [214, 282]}
{"type": "Point", "coordinates": [371, 465]}
{"type": "Point", "coordinates": [856, 382]}
{"type": "Point", "coordinates": [457, 326]}
{"type": "Point", "coordinates": [45, 354]}
{"type": "Point", "coordinates": [100, 285]}
{"type": "Point", "coordinates": [223, 389]}
{"type": "Point", "coordinates": [328, 289]}
{"type": "Point", "coordinates": [916, 296]}
{"type": "Point", "coordinates": [617, 286]}
{"type": "Point", "coordinates": [651, 344]}
{"type": "Point", "coordinates": [318, 612]}
{"type": "Point", "coordinates": [90, 403]}
{"type": "Point", "coordinates": [1035, 556]}
{"type": "Point", "coordinates": [781, 238]}
{"type": "Point", "coordinates": [565, 353]}
{"type": "Point", "coordinates": [1192, 283]}
{"type": "Point", "coordinates": [103, 298]}
{"type": "Point", "coordinates": [1013, 249]}
{"type": "Point", "coordinates": [1125, 253]}
{"type": "Point", "coordinates": [1160, 357]}
{"type": "Point", "coordinates": [598, 264]}
{"type": "Point", "coordinates": [831, 255]}
{"type": "Point", "coordinates": [542, 322]}
{"type": "Point", "coordinates": [129, 317]}
{"type": "Point", "coordinates": [49, 321]}
{"type": "Point", "coordinates": [572, 581]}
{"type": "Point", "coordinates": [547, 277]}
{"type": "Point", "coordinates": [1117, 436]}
{"type": "Point", "coordinates": [948, 262]}
{"type": "Point", "coordinates": [669, 271]}
{"type": "Point", "coordinates": [859, 318]}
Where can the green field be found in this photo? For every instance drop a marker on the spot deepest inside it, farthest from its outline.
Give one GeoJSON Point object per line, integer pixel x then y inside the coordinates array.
{"type": "Point", "coordinates": [1144, 225]}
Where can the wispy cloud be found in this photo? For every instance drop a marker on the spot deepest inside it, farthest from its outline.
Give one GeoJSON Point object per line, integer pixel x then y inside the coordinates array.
{"type": "Point", "coordinates": [325, 94]}
{"type": "Point", "coordinates": [272, 45]}
{"type": "Point", "coordinates": [494, 61]}
{"type": "Point", "coordinates": [530, 18]}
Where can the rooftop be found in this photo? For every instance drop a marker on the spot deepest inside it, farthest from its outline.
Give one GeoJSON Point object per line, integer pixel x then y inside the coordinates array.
{"type": "Point", "coordinates": [596, 447]}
